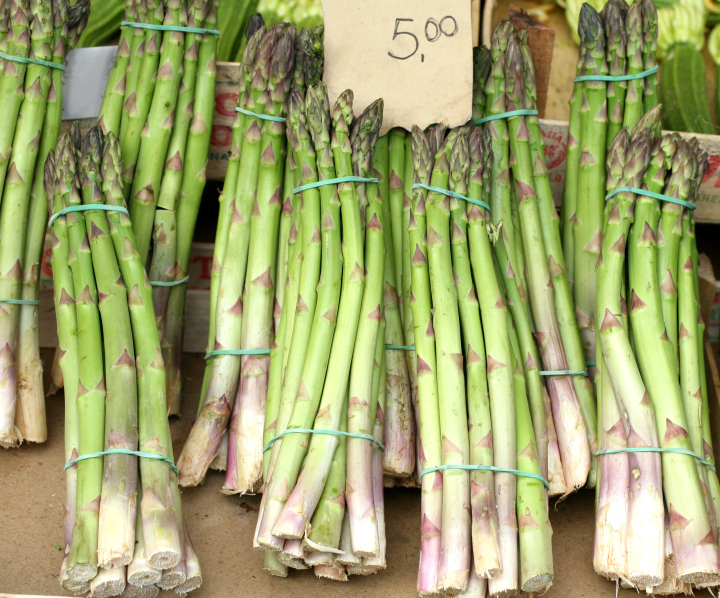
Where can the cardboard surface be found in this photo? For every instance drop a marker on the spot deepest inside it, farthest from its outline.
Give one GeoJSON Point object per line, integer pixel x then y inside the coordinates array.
{"type": "Point", "coordinates": [32, 492]}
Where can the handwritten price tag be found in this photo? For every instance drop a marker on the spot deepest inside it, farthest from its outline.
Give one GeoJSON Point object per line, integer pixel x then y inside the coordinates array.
{"type": "Point", "coordinates": [416, 55]}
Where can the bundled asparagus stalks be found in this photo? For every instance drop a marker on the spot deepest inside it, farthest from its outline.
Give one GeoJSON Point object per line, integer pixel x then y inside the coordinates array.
{"type": "Point", "coordinates": [619, 42]}
{"type": "Point", "coordinates": [487, 529]}
{"type": "Point", "coordinates": [159, 102]}
{"type": "Point", "coordinates": [123, 518]}
{"type": "Point", "coordinates": [31, 106]}
{"type": "Point", "coordinates": [651, 391]}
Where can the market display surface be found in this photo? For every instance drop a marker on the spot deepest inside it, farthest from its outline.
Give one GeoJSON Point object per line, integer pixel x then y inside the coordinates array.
{"type": "Point", "coordinates": [410, 311]}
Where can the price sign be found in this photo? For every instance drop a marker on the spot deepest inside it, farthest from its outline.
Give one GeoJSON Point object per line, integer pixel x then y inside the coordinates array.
{"type": "Point", "coordinates": [416, 55]}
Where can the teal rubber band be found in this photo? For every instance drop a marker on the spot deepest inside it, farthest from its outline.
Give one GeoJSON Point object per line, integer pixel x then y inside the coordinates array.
{"type": "Point", "coordinates": [325, 433]}
{"type": "Point", "coordinates": [135, 25]}
{"type": "Point", "coordinates": [277, 119]}
{"type": "Point", "coordinates": [655, 449]}
{"type": "Point", "coordinates": [87, 208]}
{"type": "Point", "coordinates": [23, 60]}
{"type": "Point", "coordinates": [516, 472]}
{"type": "Point", "coordinates": [523, 112]}
{"type": "Point", "coordinates": [646, 193]}
{"type": "Point", "coordinates": [171, 283]}
{"type": "Point", "coordinates": [342, 179]}
{"type": "Point", "coordinates": [563, 373]}
{"type": "Point", "coordinates": [123, 452]}
{"type": "Point", "coordinates": [642, 75]}
{"type": "Point", "coordinates": [237, 352]}
{"type": "Point", "coordinates": [400, 347]}
{"type": "Point", "coordinates": [590, 364]}
{"type": "Point", "coordinates": [477, 202]}
{"type": "Point", "coordinates": [20, 301]}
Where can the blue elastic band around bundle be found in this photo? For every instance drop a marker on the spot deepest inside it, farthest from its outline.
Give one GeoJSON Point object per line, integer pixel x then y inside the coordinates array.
{"type": "Point", "coordinates": [477, 202]}
{"type": "Point", "coordinates": [123, 452]}
{"type": "Point", "coordinates": [20, 301]}
{"type": "Point", "coordinates": [399, 347]}
{"type": "Point", "coordinates": [515, 472]}
{"type": "Point", "coordinates": [86, 208]}
{"type": "Point", "coordinates": [277, 119]}
{"type": "Point", "coordinates": [369, 437]}
{"type": "Point", "coordinates": [655, 449]}
{"type": "Point", "coordinates": [153, 27]}
{"type": "Point", "coordinates": [24, 60]}
{"type": "Point", "coordinates": [642, 75]}
{"type": "Point", "coordinates": [562, 373]}
{"type": "Point", "coordinates": [523, 112]}
{"type": "Point", "coordinates": [237, 352]}
{"type": "Point", "coordinates": [342, 179]}
{"type": "Point", "coordinates": [590, 364]}
{"type": "Point", "coordinates": [170, 283]}
{"type": "Point", "coordinates": [658, 196]}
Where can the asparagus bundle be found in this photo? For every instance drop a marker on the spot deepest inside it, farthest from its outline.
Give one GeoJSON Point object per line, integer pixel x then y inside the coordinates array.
{"type": "Point", "coordinates": [652, 391]}
{"type": "Point", "coordinates": [31, 106]}
{"type": "Point", "coordinates": [159, 102]}
{"type": "Point", "coordinates": [621, 41]}
{"type": "Point", "coordinates": [487, 529]}
{"type": "Point", "coordinates": [123, 514]}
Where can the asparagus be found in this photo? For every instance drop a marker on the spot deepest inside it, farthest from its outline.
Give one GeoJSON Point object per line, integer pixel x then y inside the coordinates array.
{"type": "Point", "coordinates": [649, 51]}
{"type": "Point", "coordinates": [132, 71]}
{"type": "Point", "coordinates": [572, 437]}
{"type": "Point", "coordinates": [358, 317]}
{"type": "Point", "coordinates": [260, 292]}
{"type": "Point", "coordinates": [117, 501]}
{"type": "Point", "coordinates": [429, 420]}
{"type": "Point", "coordinates": [202, 443]}
{"type": "Point", "coordinates": [616, 40]}
{"type": "Point", "coordinates": [396, 185]}
{"type": "Point", "coordinates": [591, 175]}
{"type": "Point", "coordinates": [399, 455]}
{"type": "Point", "coordinates": [635, 44]}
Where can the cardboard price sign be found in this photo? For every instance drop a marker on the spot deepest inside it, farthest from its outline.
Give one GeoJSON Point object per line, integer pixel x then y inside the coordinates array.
{"type": "Point", "coordinates": [416, 55]}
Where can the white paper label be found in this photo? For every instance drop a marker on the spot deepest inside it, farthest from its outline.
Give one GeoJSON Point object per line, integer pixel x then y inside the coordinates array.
{"type": "Point", "coordinates": [86, 74]}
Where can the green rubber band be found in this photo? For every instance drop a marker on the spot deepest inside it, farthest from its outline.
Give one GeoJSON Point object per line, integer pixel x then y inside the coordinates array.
{"type": "Point", "coordinates": [342, 179]}
{"type": "Point", "coordinates": [135, 25]}
{"type": "Point", "coordinates": [655, 449]}
{"type": "Point", "coordinates": [87, 208]}
{"type": "Point", "coordinates": [237, 352]}
{"type": "Point", "coordinates": [23, 60]}
{"type": "Point", "coordinates": [277, 119]}
{"type": "Point", "coordinates": [123, 452]}
{"type": "Point", "coordinates": [523, 112]}
{"type": "Point", "coordinates": [590, 364]}
{"type": "Point", "coordinates": [477, 202]}
{"type": "Point", "coordinates": [658, 196]}
{"type": "Point", "coordinates": [20, 301]}
{"type": "Point", "coordinates": [516, 472]}
{"type": "Point", "coordinates": [562, 373]}
{"type": "Point", "coordinates": [400, 347]}
{"type": "Point", "coordinates": [325, 433]}
{"type": "Point", "coordinates": [171, 283]}
{"type": "Point", "coordinates": [642, 75]}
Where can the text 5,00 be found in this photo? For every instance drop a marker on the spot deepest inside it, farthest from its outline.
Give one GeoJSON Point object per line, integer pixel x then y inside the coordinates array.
{"type": "Point", "coordinates": [434, 30]}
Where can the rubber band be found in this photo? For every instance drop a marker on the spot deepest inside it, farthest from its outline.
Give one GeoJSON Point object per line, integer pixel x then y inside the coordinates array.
{"type": "Point", "coordinates": [170, 283]}
{"type": "Point", "coordinates": [658, 196]}
{"type": "Point", "coordinates": [20, 301]}
{"type": "Point", "coordinates": [523, 112]}
{"type": "Point", "coordinates": [655, 449]}
{"type": "Point", "coordinates": [153, 27]}
{"type": "Point", "coordinates": [477, 202]}
{"type": "Point", "coordinates": [342, 179]}
{"type": "Point", "coordinates": [325, 433]}
{"type": "Point", "coordinates": [642, 75]}
{"type": "Point", "coordinates": [237, 352]}
{"type": "Point", "coordinates": [515, 472]}
{"type": "Point", "coordinates": [123, 452]}
{"type": "Point", "coordinates": [24, 60]}
{"type": "Point", "coordinates": [399, 347]}
{"type": "Point", "coordinates": [277, 119]}
{"type": "Point", "coordinates": [87, 208]}
{"type": "Point", "coordinates": [590, 364]}
{"type": "Point", "coordinates": [562, 373]}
